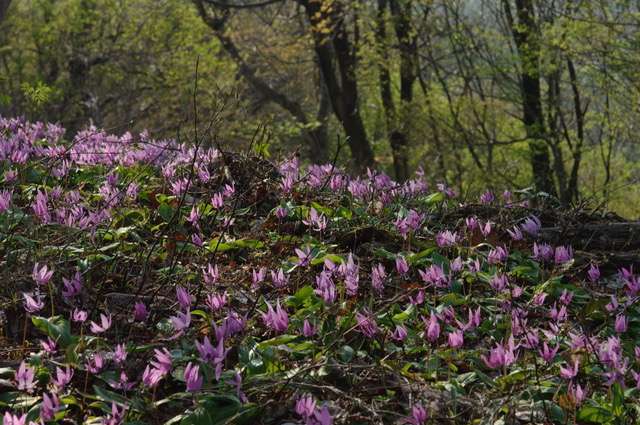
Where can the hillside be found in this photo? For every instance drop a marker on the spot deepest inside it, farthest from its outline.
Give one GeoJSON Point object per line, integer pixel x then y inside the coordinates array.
{"type": "Point", "coordinates": [152, 282]}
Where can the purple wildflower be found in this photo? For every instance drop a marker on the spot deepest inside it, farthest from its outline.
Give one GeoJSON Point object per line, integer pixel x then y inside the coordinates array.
{"type": "Point", "coordinates": [140, 312]}
{"type": "Point", "coordinates": [73, 286]}
{"type": "Point", "coordinates": [563, 254]}
{"type": "Point", "coordinates": [32, 304]}
{"type": "Point", "coordinates": [593, 273]}
{"type": "Point", "coordinates": [402, 267]}
{"type": "Point", "coordinates": [366, 324]}
{"type": "Point", "coordinates": [50, 405]}
{"type": "Point", "coordinates": [378, 276]}
{"type": "Point", "coordinates": [105, 324]}
{"type": "Point", "coordinates": [532, 226]}
{"type": "Point", "coordinates": [24, 377]}
{"type": "Point", "coordinates": [433, 328]}
{"type": "Point", "coordinates": [277, 319]}
{"type": "Point", "coordinates": [192, 377]}
{"type": "Point", "coordinates": [41, 275]}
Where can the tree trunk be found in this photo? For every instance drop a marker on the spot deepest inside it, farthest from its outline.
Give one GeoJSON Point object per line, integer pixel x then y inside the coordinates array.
{"type": "Point", "coordinates": [525, 35]}
{"type": "Point", "coordinates": [408, 43]}
{"type": "Point", "coordinates": [336, 48]}
{"type": "Point", "coordinates": [4, 6]}
{"type": "Point", "coordinates": [316, 136]}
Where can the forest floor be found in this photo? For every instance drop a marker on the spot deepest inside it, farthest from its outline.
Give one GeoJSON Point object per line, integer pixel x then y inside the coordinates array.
{"type": "Point", "coordinates": [150, 282]}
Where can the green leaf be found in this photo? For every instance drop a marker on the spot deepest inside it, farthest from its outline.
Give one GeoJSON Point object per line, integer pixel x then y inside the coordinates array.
{"type": "Point", "coordinates": [234, 244]}
{"type": "Point", "coordinates": [618, 400]}
{"type": "Point", "coordinates": [346, 353]}
{"type": "Point", "coordinates": [278, 340]}
{"type": "Point", "coordinates": [165, 211]}
{"type": "Point", "coordinates": [432, 199]}
{"type": "Point", "coordinates": [219, 410]}
{"type": "Point", "coordinates": [56, 327]}
{"type": "Point", "coordinates": [593, 415]}
{"type": "Point", "coordinates": [404, 315]}
{"type": "Point", "coordinates": [302, 295]}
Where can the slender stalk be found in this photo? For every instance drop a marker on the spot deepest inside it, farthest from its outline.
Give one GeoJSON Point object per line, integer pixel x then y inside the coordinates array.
{"type": "Point", "coordinates": [51, 299]}
{"type": "Point", "coordinates": [24, 330]}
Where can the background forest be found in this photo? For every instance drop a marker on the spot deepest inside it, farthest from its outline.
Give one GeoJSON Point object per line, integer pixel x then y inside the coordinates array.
{"type": "Point", "coordinates": [531, 94]}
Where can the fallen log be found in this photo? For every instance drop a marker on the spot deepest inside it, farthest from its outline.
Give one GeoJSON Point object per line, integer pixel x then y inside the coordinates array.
{"type": "Point", "coordinates": [615, 237]}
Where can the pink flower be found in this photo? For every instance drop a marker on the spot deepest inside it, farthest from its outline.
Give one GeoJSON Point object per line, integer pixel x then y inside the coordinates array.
{"type": "Point", "coordinates": [418, 415]}
{"type": "Point", "coordinates": [305, 406]}
{"type": "Point", "coordinates": [197, 240]}
{"type": "Point", "coordinates": [532, 226]}
{"type": "Point", "coordinates": [50, 405]}
{"type": "Point", "coordinates": [73, 286]}
{"type": "Point", "coordinates": [217, 201]}
{"type": "Point", "coordinates": [499, 282]}
{"type": "Point", "coordinates": [322, 416]}
{"type": "Point", "coordinates": [419, 299]}
{"type": "Point", "coordinates": [576, 393]}
{"type": "Point", "coordinates": [63, 377]}
{"type": "Point", "coordinates": [563, 254]}
{"type": "Point", "coordinates": [24, 377]}
{"type": "Point", "coordinates": [79, 315]}
{"type": "Point", "coordinates": [486, 228]}
{"type": "Point", "coordinates": [117, 415]}
{"type": "Point", "coordinates": [566, 297]}
{"type": "Point", "coordinates": [542, 252]}
{"type": "Point", "coordinates": [378, 276]}
{"type": "Point", "coordinates": [282, 212]}
{"type": "Point", "coordinates": [12, 419]}
{"type": "Point", "coordinates": [367, 324]}
{"type": "Point", "coordinates": [515, 233]}
{"type": "Point", "coordinates": [304, 256]}
{"type": "Point", "coordinates": [501, 355]}
{"type": "Point", "coordinates": [49, 346]}
{"type": "Point", "coordinates": [214, 356]}
{"type": "Point", "coordinates": [316, 221]}
{"type": "Point", "coordinates": [192, 377]}
{"type": "Point", "coordinates": [41, 275]}
{"type": "Point", "coordinates": [456, 339]}
{"type": "Point", "coordinates": [433, 328]}
{"type": "Point", "coordinates": [456, 265]}
{"type": "Point", "coordinates": [181, 321]}
{"type": "Point", "coordinates": [538, 299]}
{"type": "Point", "coordinates": [570, 372]}
{"type": "Point", "coordinates": [95, 363]}
{"type": "Point", "coordinates": [184, 298]}
{"type": "Point", "coordinates": [621, 323]}
{"type": "Point", "coordinates": [446, 239]}
{"type": "Point", "coordinates": [593, 273]}
{"type": "Point", "coordinates": [162, 361]}
{"type": "Point", "coordinates": [120, 354]}
{"type": "Point", "coordinates": [216, 301]}
{"type": "Point", "coordinates": [487, 197]}
{"type": "Point", "coordinates": [399, 334]}
{"type": "Point", "coordinates": [257, 277]}
{"type": "Point", "coordinates": [473, 321]}
{"type": "Point", "coordinates": [5, 200]}
{"type": "Point", "coordinates": [279, 279]}
{"type": "Point", "coordinates": [105, 324]}
{"type": "Point", "coordinates": [140, 312]}
{"type": "Point", "coordinates": [471, 223]}
{"type": "Point", "coordinates": [31, 304]}
{"type": "Point", "coordinates": [308, 329]}
{"type": "Point", "coordinates": [151, 377]}
{"type": "Point", "coordinates": [211, 275]}
{"type": "Point", "coordinates": [548, 354]}
{"type": "Point", "coordinates": [402, 267]}
{"type": "Point", "coordinates": [277, 319]}
{"type": "Point", "coordinates": [498, 255]}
